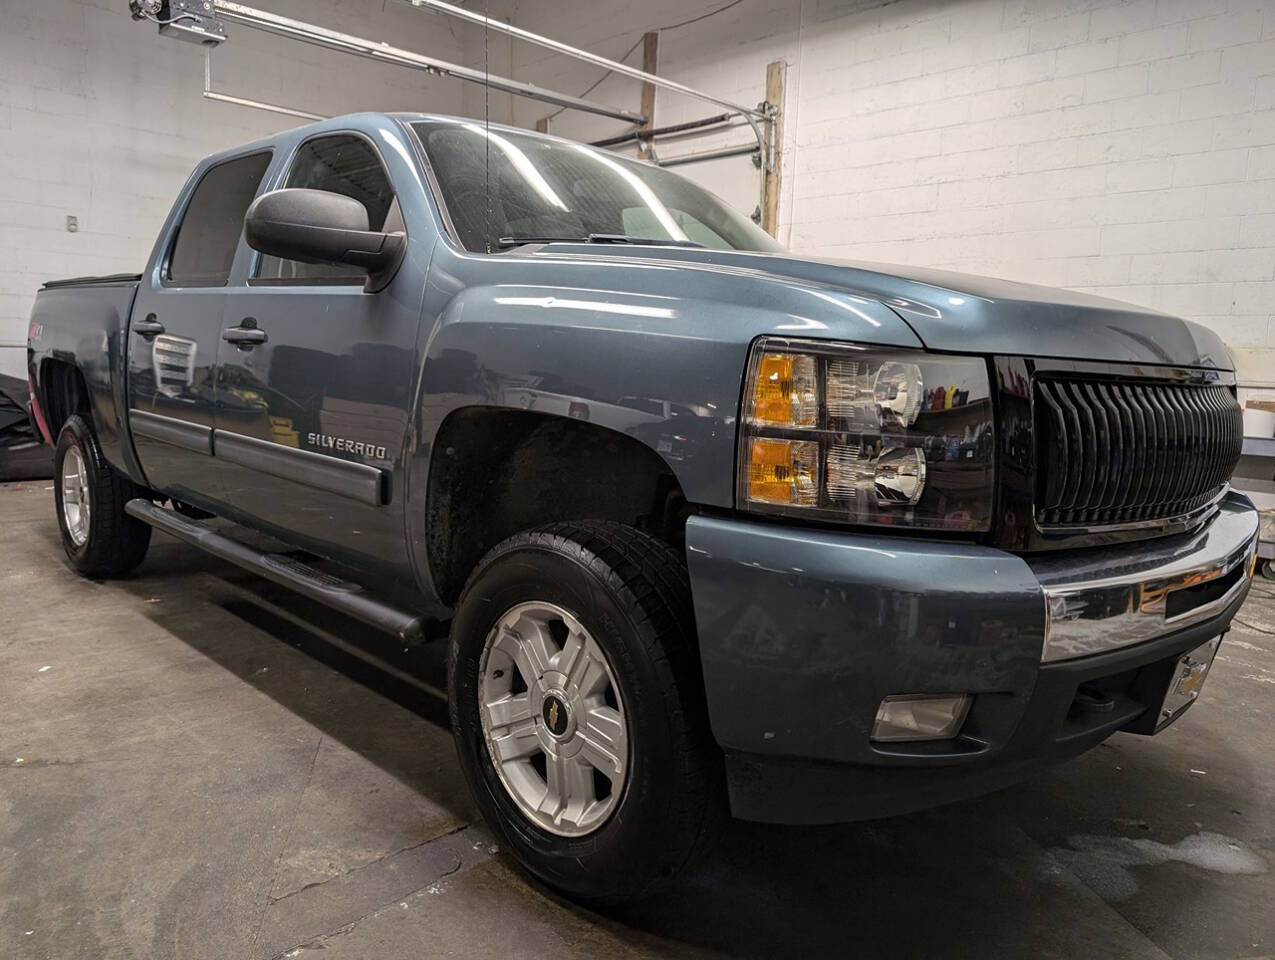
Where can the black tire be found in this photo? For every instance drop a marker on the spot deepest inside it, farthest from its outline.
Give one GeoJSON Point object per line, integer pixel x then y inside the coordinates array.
{"type": "Point", "coordinates": [116, 543]}
{"type": "Point", "coordinates": [632, 594]}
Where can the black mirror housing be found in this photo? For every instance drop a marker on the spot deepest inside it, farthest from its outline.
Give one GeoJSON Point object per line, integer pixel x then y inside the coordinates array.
{"type": "Point", "coordinates": [317, 226]}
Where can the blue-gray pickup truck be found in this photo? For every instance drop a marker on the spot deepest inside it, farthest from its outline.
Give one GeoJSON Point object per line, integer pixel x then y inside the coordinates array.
{"type": "Point", "coordinates": [710, 528]}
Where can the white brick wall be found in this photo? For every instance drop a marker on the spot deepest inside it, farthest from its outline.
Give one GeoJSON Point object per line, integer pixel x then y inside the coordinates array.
{"type": "Point", "coordinates": [1121, 146]}
{"type": "Point", "coordinates": [102, 119]}
{"type": "Point", "coordinates": [726, 54]}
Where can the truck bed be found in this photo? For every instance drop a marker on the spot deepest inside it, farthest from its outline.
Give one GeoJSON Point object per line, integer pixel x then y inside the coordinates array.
{"type": "Point", "coordinates": [105, 280]}
{"type": "Point", "coordinates": [83, 323]}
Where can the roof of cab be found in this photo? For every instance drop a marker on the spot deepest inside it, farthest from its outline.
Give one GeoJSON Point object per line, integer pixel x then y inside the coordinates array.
{"type": "Point", "coordinates": [368, 121]}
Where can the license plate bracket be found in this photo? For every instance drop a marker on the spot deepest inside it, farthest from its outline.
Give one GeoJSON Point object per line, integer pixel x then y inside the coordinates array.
{"type": "Point", "coordinates": [1186, 682]}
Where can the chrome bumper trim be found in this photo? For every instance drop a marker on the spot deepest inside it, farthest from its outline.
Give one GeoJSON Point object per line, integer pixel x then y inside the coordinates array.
{"type": "Point", "coordinates": [1120, 596]}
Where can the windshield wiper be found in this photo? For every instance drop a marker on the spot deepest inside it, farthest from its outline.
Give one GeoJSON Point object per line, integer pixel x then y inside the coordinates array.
{"type": "Point", "coordinates": [640, 241]}
{"type": "Point", "coordinates": [598, 238]}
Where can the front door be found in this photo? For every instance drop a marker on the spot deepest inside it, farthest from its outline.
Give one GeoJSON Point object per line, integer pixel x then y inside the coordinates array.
{"type": "Point", "coordinates": [315, 382]}
{"type": "Point", "coordinates": [175, 332]}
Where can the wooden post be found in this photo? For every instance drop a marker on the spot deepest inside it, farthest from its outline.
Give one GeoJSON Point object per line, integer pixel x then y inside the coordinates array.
{"type": "Point", "coordinates": [542, 125]}
{"type": "Point", "coordinates": [650, 64]}
{"type": "Point", "coordinates": [774, 95]}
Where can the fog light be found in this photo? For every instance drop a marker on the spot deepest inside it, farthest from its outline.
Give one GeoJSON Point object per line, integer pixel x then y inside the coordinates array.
{"type": "Point", "coordinates": [920, 716]}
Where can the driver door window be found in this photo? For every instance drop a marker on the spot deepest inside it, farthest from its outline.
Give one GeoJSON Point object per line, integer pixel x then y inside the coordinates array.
{"type": "Point", "coordinates": [347, 165]}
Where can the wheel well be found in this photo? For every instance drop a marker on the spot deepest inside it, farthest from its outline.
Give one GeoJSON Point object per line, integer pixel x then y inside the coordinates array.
{"type": "Point", "coordinates": [62, 394]}
{"type": "Point", "coordinates": [495, 472]}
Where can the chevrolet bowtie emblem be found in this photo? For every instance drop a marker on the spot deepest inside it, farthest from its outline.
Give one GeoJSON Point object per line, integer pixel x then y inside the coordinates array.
{"type": "Point", "coordinates": [555, 715]}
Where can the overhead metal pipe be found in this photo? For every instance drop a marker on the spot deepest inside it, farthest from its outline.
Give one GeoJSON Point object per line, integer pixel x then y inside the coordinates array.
{"type": "Point", "coordinates": [709, 155]}
{"type": "Point", "coordinates": [261, 105]}
{"type": "Point", "coordinates": [210, 94]}
{"type": "Point", "coordinates": [564, 48]}
{"type": "Point", "coordinates": [669, 131]}
{"type": "Point", "coordinates": [346, 43]}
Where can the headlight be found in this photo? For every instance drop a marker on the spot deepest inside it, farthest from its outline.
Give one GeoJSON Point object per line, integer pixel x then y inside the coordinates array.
{"type": "Point", "coordinates": [867, 436]}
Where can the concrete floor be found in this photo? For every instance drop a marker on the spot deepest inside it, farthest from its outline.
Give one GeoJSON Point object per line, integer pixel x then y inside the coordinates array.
{"type": "Point", "coordinates": [193, 765]}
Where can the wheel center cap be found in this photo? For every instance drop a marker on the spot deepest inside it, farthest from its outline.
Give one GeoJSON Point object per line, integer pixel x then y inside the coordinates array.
{"type": "Point", "coordinates": [555, 714]}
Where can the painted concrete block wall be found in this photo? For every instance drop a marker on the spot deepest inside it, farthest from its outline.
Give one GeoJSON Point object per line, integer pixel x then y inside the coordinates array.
{"type": "Point", "coordinates": [1121, 146]}
{"type": "Point", "coordinates": [724, 53]}
{"type": "Point", "coordinates": [101, 119]}
{"type": "Point", "coordinates": [1125, 147]}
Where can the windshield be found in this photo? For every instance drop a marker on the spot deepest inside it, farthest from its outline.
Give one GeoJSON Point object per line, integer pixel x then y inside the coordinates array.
{"type": "Point", "coordinates": [554, 189]}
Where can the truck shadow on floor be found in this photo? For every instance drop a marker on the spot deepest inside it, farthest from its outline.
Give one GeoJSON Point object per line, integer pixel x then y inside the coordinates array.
{"type": "Point", "coordinates": [393, 711]}
{"type": "Point", "coordinates": [973, 879]}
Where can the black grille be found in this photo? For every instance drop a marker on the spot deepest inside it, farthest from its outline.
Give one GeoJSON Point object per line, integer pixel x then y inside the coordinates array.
{"type": "Point", "coordinates": [1122, 452]}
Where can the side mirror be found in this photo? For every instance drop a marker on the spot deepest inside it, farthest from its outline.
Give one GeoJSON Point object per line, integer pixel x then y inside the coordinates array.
{"type": "Point", "coordinates": [316, 226]}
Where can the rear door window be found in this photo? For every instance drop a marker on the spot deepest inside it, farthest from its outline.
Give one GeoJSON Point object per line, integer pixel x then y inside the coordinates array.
{"type": "Point", "coordinates": [209, 233]}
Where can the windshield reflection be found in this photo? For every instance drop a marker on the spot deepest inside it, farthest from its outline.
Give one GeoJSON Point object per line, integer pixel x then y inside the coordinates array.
{"type": "Point", "coordinates": [502, 186]}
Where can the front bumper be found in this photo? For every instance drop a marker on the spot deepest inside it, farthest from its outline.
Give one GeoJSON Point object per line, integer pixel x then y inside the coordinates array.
{"type": "Point", "coordinates": [803, 632]}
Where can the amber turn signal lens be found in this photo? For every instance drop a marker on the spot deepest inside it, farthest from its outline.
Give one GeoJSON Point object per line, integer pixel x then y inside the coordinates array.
{"type": "Point", "coordinates": [783, 471]}
{"type": "Point", "coordinates": [784, 391]}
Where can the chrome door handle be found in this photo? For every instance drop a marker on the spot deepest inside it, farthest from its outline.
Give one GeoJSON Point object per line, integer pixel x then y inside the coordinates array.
{"type": "Point", "coordinates": [244, 337]}
{"type": "Point", "coordinates": [148, 328]}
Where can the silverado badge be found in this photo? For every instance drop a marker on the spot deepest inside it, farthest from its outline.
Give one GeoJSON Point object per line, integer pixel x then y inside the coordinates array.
{"type": "Point", "coordinates": [324, 441]}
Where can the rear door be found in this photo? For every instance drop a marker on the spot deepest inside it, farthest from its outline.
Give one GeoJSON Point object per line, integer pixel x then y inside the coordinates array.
{"type": "Point", "coordinates": [175, 331]}
{"type": "Point", "coordinates": [313, 407]}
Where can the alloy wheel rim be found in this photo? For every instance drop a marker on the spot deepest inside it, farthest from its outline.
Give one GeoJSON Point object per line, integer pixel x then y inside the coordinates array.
{"type": "Point", "coordinates": [553, 719]}
{"type": "Point", "coordinates": [75, 497]}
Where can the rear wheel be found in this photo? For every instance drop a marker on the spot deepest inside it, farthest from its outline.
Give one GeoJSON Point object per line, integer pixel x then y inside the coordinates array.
{"type": "Point", "coordinates": [578, 709]}
{"type": "Point", "coordinates": [99, 538]}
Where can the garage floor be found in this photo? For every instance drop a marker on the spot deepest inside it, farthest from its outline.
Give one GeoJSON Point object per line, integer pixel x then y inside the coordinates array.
{"type": "Point", "coordinates": [193, 765]}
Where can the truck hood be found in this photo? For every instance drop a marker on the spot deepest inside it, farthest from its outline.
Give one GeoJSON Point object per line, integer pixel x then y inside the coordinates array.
{"type": "Point", "coordinates": [967, 314]}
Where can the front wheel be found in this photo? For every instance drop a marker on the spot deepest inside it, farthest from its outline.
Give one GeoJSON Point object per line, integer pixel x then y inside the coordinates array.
{"type": "Point", "coordinates": [99, 538]}
{"type": "Point", "coordinates": [578, 709]}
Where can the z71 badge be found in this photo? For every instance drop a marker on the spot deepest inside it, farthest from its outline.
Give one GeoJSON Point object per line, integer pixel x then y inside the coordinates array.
{"type": "Point", "coordinates": [325, 442]}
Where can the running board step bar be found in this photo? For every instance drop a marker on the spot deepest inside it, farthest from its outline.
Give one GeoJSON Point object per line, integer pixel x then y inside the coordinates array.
{"type": "Point", "coordinates": [349, 598]}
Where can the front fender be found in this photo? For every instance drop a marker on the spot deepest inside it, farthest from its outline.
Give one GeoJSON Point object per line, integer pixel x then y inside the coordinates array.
{"type": "Point", "coordinates": [656, 352]}
{"type": "Point", "coordinates": [613, 359]}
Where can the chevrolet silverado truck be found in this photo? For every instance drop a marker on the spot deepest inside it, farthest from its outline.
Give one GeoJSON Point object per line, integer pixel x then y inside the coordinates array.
{"type": "Point", "coordinates": [709, 528]}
